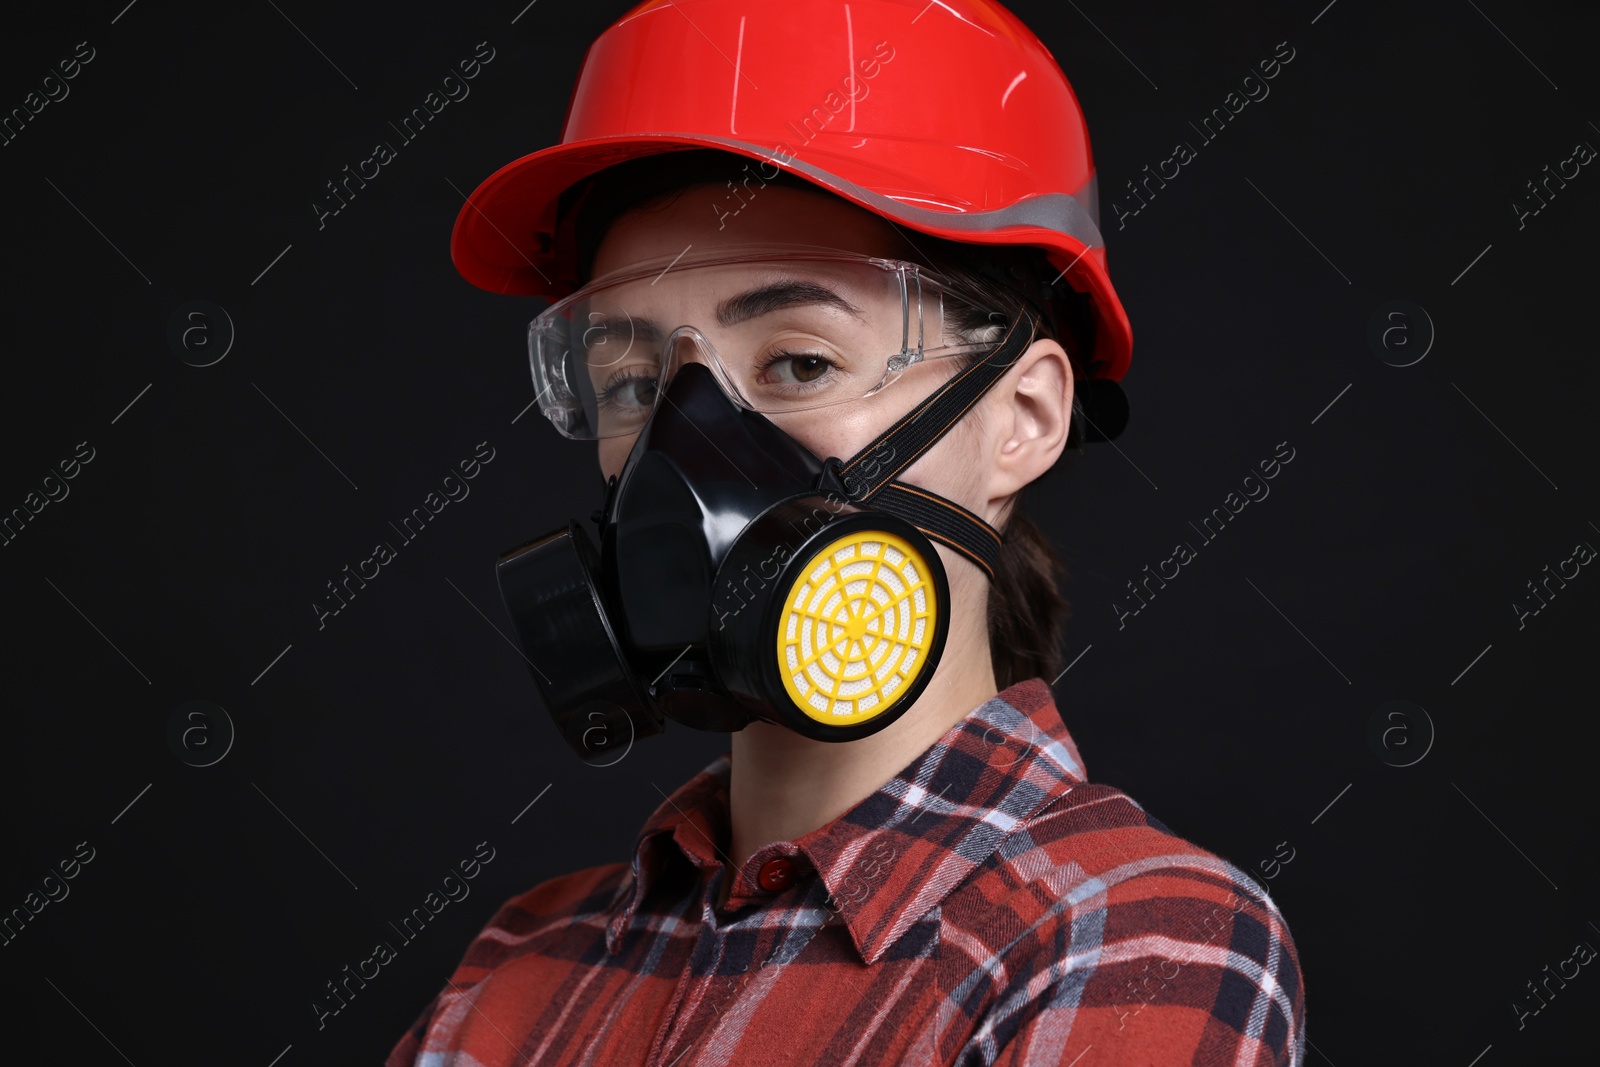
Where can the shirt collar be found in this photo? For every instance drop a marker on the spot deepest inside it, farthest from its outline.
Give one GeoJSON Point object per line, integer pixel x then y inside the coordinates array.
{"type": "Point", "coordinates": [927, 827]}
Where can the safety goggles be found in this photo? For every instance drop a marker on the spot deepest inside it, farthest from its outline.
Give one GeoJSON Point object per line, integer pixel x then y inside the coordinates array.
{"type": "Point", "coordinates": [782, 328]}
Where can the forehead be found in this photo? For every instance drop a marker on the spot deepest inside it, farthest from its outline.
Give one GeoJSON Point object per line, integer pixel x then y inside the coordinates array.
{"type": "Point", "coordinates": [708, 217]}
{"type": "Point", "coordinates": [770, 294]}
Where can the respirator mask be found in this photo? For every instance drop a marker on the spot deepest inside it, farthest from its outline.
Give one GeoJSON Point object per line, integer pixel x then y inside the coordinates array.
{"type": "Point", "coordinates": [739, 577]}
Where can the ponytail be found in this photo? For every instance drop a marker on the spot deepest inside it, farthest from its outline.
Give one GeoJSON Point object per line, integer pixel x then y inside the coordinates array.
{"type": "Point", "coordinates": [1027, 613]}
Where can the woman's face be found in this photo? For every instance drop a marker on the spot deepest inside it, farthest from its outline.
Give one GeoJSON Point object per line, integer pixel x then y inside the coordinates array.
{"type": "Point", "coordinates": [699, 219]}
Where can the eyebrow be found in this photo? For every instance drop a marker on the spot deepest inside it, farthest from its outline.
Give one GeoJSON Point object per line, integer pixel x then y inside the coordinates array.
{"type": "Point", "coordinates": [753, 303]}
{"type": "Point", "coordinates": [765, 299]}
{"type": "Point", "coordinates": [621, 326]}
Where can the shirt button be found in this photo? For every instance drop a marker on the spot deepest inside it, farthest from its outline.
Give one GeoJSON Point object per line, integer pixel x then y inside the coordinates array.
{"type": "Point", "coordinates": [776, 874]}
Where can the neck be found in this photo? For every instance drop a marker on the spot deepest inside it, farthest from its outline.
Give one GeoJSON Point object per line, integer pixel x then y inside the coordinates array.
{"type": "Point", "coordinates": [783, 786]}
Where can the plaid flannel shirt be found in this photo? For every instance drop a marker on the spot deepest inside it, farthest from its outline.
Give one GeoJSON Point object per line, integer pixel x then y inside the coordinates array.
{"type": "Point", "coordinates": [987, 905]}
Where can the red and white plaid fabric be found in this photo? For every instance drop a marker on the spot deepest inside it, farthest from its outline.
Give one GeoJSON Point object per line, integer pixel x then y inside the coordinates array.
{"type": "Point", "coordinates": [987, 905]}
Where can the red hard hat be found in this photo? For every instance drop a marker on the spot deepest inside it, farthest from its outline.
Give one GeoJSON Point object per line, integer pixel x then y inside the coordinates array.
{"type": "Point", "coordinates": [945, 116]}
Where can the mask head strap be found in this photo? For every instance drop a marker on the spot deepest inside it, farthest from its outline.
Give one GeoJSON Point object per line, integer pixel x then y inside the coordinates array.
{"type": "Point", "coordinates": [870, 477]}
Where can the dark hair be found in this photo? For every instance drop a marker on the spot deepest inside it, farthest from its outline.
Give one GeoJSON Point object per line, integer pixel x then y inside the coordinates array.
{"type": "Point", "coordinates": [1027, 614]}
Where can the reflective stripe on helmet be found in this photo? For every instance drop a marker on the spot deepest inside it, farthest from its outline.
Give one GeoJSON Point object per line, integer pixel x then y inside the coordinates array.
{"type": "Point", "coordinates": [1076, 215]}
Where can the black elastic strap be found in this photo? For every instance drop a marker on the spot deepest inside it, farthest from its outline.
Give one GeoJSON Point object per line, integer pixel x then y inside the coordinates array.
{"type": "Point", "coordinates": [871, 475]}
{"type": "Point", "coordinates": [943, 520]}
{"type": "Point", "coordinates": [918, 429]}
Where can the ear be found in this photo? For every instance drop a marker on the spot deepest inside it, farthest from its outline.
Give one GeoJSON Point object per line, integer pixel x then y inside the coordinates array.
{"type": "Point", "coordinates": [1029, 416]}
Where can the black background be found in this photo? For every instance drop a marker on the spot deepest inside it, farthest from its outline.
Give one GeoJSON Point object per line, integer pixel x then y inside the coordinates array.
{"type": "Point", "coordinates": [380, 750]}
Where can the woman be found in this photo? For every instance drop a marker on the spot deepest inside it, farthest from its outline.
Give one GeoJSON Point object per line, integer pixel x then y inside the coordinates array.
{"type": "Point", "coordinates": [904, 864]}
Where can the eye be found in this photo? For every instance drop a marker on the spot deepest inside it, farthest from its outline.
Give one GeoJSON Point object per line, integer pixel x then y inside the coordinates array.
{"type": "Point", "coordinates": [630, 390]}
{"type": "Point", "coordinates": [796, 368]}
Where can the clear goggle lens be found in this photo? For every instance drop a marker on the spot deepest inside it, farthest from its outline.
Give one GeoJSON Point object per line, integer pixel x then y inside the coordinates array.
{"type": "Point", "coordinates": [781, 332]}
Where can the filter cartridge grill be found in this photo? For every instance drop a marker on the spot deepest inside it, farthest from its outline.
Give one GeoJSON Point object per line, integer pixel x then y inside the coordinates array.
{"type": "Point", "coordinates": [856, 627]}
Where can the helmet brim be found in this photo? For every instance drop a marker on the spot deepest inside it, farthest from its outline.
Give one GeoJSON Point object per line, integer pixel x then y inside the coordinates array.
{"type": "Point", "coordinates": [505, 239]}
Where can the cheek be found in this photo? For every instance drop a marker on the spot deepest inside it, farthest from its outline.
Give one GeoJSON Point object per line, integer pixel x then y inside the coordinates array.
{"type": "Point", "coordinates": [951, 466]}
{"type": "Point", "coordinates": [613, 452]}
{"type": "Point", "coordinates": [846, 429]}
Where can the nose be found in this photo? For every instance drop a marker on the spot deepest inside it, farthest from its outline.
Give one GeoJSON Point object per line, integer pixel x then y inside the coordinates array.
{"type": "Point", "coordinates": [686, 344]}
